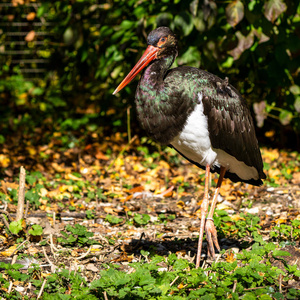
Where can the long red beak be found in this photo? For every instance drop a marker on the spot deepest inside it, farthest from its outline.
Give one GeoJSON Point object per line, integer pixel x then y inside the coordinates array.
{"type": "Point", "coordinates": [147, 57]}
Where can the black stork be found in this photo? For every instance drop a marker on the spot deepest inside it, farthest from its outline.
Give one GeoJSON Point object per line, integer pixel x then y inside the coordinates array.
{"type": "Point", "coordinates": [201, 116]}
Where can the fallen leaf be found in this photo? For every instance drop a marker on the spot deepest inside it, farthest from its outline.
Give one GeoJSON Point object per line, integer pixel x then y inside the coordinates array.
{"type": "Point", "coordinates": [31, 16]}
{"type": "Point", "coordinates": [230, 257]}
{"type": "Point", "coordinates": [296, 178]}
{"type": "Point", "coordinates": [4, 161]}
{"type": "Point", "coordinates": [30, 36]}
{"type": "Point", "coordinates": [9, 251]}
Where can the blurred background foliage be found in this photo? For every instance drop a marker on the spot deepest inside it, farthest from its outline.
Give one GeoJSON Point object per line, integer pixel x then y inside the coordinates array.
{"type": "Point", "coordinates": [88, 46]}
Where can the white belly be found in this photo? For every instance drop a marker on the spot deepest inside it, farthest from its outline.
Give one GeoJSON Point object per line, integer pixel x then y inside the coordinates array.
{"type": "Point", "coordinates": [194, 143]}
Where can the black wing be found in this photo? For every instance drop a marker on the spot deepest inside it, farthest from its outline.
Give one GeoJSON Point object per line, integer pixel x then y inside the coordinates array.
{"type": "Point", "coordinates": [230, 124]}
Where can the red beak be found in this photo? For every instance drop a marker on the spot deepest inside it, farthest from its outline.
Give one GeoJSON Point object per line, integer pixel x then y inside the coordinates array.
{"type": "Point", "coordinates": [147, 57]}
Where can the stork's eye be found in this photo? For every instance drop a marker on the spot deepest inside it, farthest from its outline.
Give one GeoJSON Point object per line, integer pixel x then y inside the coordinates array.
{"type": "Point", "coordinates": [162, 41]}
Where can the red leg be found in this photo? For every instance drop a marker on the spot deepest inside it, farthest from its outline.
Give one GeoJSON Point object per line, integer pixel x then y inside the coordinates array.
{"type": "Point", "coordinates": [210, 229]}
{"type": "Point", "coordinates": [204, 209]}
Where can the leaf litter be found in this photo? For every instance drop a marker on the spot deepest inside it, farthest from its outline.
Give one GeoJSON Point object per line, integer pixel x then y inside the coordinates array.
{"type": "Point", "coordinates": [119, 204]}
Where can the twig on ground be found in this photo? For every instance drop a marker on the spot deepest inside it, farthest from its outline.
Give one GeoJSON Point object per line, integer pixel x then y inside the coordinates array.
{"type": "Point", "coordinates": [54, 219]}
{"type": "Point", "coordinates": [52, 247]}
{"type": "Point", "coordinates": [10, 219]}
{"type": "Point", "coordinates": [21, 196]}
{"type": "Point", "coordinates": [105, 295]}
{"type": "Point", "coordinates": [234, 286]}
{"type": "Point", "coordinates": [174, 280]}
{"type": "Point", "coordinates": [255, 288]}
{"type": "Point", "coordinates": [19, 247]}
{"type": "Point", "coordinates": [4, 220]}
{"type": "Point", "coordinates": [10, 287]}
{"type": "Point", "coordinates": [53, 266]}
{"type": "Point", "coordinates": [42, 288]}
{"type": "Point", "coordinates": [85, 254]}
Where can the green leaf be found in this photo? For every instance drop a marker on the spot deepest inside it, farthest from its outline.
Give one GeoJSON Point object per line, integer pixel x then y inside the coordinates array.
{"type": "Point", "coordinates": [113, 219]}
{"type": "Point", "coordinates": [36, 230]}
{"type": "Point", "coordinates": [16, 226]}
{"type": "Point", "coordinates": [281, 253]}
{"type": "Point", "coordinates": [184, 21]}
{"type": "Point", "coordinates": [141, 219]}
{"type": "Point", "coordinates": [285, 117]}
{"type": "Point", "coordinates": [297, 104]}
{"type": "Point", "coordinates": [295, 89]}
{"type": "Point", "coordinates": [234, 12]}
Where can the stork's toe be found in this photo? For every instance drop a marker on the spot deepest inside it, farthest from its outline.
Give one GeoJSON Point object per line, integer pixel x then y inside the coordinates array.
{"type": "Point", "coordinates": [211, 237]}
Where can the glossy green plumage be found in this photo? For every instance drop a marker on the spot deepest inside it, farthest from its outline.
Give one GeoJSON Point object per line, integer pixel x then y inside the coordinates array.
{"type": "Point", "coordinates": [166, 98]}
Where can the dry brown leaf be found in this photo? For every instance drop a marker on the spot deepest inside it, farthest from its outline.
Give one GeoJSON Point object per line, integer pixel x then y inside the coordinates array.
{"type": "Point", "coordinates": [296, 178]}
{"type": "Point", "coordinates": [101, 156]}
{"type": "Point", "coordinates": [137, 189]}
{"type": "Point", "coordinates": [8, 185]}
{"type": "Point", "coordinates": [110, 210]}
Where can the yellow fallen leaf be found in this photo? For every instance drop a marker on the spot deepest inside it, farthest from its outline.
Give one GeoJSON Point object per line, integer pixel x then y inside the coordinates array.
{"type": "Point", "coordinates": [43, 192]}
{"type": "Point", "coordinates": [4, 161]}
{"type": "Point", "coordinates": [57, 167]}
{"type": "Point", "coordinates": [230, 257]}
{"type": "Point", "coordinates": [63, 188]}
{"type": "Point", "coordinates": [274, 172]}
{"type": "Point", "coordinates": [180, 204]}
{"type": "Point", "coordinates": [9, 251]}
{"type": "Point", "coordinates": [177, 179]}
{"type": "Point", "coordinates": [164, 164]}
{"type": "Point", "coordinates": [72, 177]}
{"type": "Point", "coordinates": [222, 206]}
{"type": "Point", "coordinates": [31, 150]}
{"type": "Point", "coordinates": [236, 218]}
{"type": "Point", "coordinates": [271, 154]}
{"type": "Point", "coordinates": [181, 286]}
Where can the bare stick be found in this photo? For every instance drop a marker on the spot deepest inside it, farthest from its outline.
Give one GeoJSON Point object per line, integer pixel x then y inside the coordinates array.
{"type": "Point", "coordinates": [105, 295]}
{"type": "Point", "coordinates": [174, 280]}
{"type": "Point", "coordinates": [10, 287]}
{"type": "Point", "coordinates": [128, 124]}
{"type": "Point", "coordinates": [20, 208]}
{"type": "Point", "coordinates": [42, 288]}
{"type": "Point", "coordinates": [85, 254]}
{"type": "Point", "coordinates": [22, 244]}
{"type": "Point", "coordinates": [53, 266]}
{"type": "Point", "coordinates": [234, 286]}
{"type": "Point", "coordinates": [4, 221]}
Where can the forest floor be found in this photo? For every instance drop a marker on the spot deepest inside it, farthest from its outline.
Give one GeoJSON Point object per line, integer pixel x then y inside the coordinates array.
{"type": "Point", "coordinates": [119, 206]}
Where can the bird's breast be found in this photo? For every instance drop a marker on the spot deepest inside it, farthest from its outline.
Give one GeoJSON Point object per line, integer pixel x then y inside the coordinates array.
{"type": "Point", "coordinates": [193, 141]}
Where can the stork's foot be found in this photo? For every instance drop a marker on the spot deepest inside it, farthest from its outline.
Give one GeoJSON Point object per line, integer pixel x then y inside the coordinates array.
{"type": "Point", "coordinates": [211, 237]}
